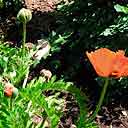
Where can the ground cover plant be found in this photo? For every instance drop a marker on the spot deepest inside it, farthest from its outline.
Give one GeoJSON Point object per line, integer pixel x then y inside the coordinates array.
{"type": "Point", "coordinates": [60, 62]}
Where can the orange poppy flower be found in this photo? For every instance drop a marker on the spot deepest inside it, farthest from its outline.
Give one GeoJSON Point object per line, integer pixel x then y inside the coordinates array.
{"type": "Point", "coordinates": [108, 63]}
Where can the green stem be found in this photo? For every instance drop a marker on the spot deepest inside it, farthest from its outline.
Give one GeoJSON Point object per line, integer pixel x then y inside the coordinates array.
{"type": "Point", "coordinates": [93, 116]}
{"type": "Point", "coordinates": [24, 37]}
{"type": "Point", "coordinates": [10, 103]}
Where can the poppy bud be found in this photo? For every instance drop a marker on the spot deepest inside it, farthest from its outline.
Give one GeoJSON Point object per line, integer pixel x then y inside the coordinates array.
{"type": "Point", "coordinates": [8, 90]}
{"type": "Point", "coordinates": [24, 15]}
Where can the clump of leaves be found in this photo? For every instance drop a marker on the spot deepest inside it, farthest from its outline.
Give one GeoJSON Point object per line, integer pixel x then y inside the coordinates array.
{"type": "Point", "coordinates": [31, 102]}
{"type": "Point", "coordinates": [14, 67]}
{"type": "Point", "coordinates": [31, 108]}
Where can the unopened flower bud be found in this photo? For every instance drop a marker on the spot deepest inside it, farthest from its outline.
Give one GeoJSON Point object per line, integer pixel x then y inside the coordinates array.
{"type": "Point", "coordinates": [24, 15]}
{"type": "Point", "coordinates": [8, 90]}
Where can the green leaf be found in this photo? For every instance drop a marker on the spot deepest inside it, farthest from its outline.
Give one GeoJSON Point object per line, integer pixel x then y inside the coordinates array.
{"type": "Point", "coordinates": [120, 8]}
{"type": "Point", "coordinates": [65, 87]}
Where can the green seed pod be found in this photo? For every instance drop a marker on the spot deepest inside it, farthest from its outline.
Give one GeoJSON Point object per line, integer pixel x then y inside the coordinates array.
{"type": "Point", "coordinates": [15, 92]}
{"type": "Point", "coordinates": [24, 15]}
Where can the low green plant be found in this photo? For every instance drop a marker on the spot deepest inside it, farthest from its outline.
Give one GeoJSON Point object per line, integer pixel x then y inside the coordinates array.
{"type": "Point", "coordinates": [13, 66]}
{"type": "Point", "coordinates": [62, 86]}
{"type": "Point", "coordinates": [19, 111]}
{"type": "Point", "coordinates": [120, 24]}
{"type": "Point", "coordinates": [31, 101]}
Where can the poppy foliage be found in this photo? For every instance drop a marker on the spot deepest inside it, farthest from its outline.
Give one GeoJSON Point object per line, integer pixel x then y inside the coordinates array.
{"type": "Point", "coordinates": [108, 63]}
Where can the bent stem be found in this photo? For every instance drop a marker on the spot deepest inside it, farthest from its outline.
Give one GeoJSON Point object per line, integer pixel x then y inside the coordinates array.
{"type": "Point", "coordinates": [93, 116]}
{"type": "Point", "coordinates": [24, 37]}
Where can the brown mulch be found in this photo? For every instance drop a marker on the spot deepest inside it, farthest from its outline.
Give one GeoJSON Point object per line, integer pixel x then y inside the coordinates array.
{"type": "Point", "coordinates": [113, 116]}
{"type": "Point", "coordinates": [43, 5]}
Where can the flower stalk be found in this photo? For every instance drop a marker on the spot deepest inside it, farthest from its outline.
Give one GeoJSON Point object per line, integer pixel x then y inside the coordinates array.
{"type": "Point", "coordinates": [107, 64]}
{"type": "Point", "coordinates": [98, 107]}
{"type": "Point", "coordinates": [24, 16]}
{"type": "Point", "coordinates": [24, 37]}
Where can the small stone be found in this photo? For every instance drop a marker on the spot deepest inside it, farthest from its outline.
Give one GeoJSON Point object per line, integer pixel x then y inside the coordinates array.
{"type": "Point", "coordinates": [124, 113]}
{"type": "Point", "coordinates": [46, 73]}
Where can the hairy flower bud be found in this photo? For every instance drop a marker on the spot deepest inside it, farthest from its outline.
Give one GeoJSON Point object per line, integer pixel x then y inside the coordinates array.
{"type": "Point", "coordinates": [24, 15]}
{"type": "Point", "coordinates": [10, 90]}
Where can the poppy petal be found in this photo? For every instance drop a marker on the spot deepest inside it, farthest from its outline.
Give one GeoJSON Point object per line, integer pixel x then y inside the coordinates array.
{"type": "Point", "coordinates": [102, 60]}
